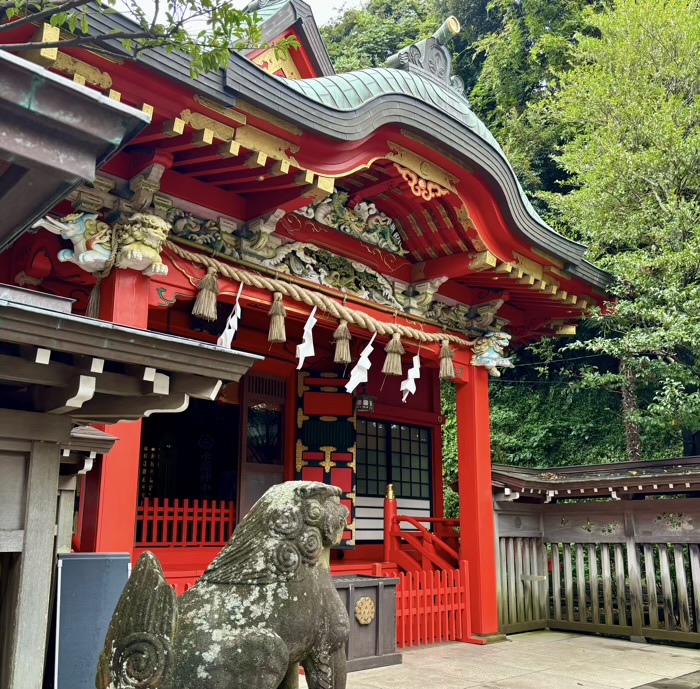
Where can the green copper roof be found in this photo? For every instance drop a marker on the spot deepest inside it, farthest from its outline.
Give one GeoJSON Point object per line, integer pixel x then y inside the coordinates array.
{"type": "Point", "coordinates": [266, 8]}
{"type": "Point", "coordinates": [349, 91]}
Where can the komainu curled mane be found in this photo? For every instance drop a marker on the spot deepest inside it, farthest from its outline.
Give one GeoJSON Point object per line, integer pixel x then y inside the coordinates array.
{"type": "Point", "coordinates": [265, 605]}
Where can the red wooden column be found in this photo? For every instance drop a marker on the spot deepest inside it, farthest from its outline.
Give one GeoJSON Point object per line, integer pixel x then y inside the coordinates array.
{"type": "Point", "coordinates": [111, 498]}
{"type": "Point", "coordinates": [475, 505]}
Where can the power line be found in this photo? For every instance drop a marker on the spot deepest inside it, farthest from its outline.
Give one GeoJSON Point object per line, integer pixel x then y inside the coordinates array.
{"type": "Point", "coordinates": [573, 358]}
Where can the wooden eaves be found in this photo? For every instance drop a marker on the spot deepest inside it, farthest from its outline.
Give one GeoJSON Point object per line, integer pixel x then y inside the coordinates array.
{"type": "Point", "coordinates": [92, 371]}
{"type": "Point", "coordinates": [650, 477]}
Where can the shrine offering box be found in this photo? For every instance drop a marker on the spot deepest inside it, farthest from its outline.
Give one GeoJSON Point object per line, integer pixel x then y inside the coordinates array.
{"type": "Point", "coordinates": [371, 605]}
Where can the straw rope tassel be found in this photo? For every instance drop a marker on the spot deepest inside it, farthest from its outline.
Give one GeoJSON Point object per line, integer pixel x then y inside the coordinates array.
{"type": "Point", "coordinates": [394, 350]}
{"type": "Point", "coordinates": [447, 367]}
{"type": "Point", "coordinates": [342, 337]}
{"type": "Point", "coordinates": [277, 314]}
{"type": "Point", "coordinates": [327, 304]}
{"type": "Point", "coordinates": [207, 292]}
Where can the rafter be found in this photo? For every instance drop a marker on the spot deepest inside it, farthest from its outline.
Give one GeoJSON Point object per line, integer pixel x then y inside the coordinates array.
{"type": "Point", "coordinates": [373, 189]}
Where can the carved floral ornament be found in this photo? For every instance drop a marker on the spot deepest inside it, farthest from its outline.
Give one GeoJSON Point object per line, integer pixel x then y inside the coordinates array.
{"type": "Point", "coordinates": [364, 222]}
{"type": "Point", "coordinates": [420, 187]}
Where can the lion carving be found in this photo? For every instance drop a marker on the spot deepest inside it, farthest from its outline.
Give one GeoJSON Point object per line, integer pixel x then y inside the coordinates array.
{"type": "Point", "coordinates": [140, 243]}
{"type": "Point", "coordinates": [265, 605]}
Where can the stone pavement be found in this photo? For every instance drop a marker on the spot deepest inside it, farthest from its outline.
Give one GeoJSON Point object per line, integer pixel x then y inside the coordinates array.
{"type": "Point", "coordinates": [539, 660]}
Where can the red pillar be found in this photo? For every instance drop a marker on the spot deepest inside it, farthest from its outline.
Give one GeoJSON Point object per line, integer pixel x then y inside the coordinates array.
{"type": "Point", "coordinates": [475, 505]}
{"type": "Point", "coordinates": [110, 510]}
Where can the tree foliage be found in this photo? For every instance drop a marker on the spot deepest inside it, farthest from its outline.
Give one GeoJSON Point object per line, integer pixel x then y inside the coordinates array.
{"type": "Point", "coordinates": [597, 108]}
{"type": "Point", "coordinates": [365, 37]}
{"type": "Point", "coordinates": [629, 109]}
{"type": "Point", "coordinates": [523, 56]}
{"type": "Point", "coordinates": [205, 30]}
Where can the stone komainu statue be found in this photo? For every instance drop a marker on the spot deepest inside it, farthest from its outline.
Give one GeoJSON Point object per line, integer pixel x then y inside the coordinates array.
{"type": "Point", "coordinates": [265, 604]}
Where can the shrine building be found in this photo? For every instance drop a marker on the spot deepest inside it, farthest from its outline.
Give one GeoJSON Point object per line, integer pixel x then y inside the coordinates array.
{"type": "Point", "coordinates": [364, 236]}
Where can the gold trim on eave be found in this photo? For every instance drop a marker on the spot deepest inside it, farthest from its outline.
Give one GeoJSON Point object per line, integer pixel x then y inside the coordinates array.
{"type": "Point", "coordinates": [426, 169]}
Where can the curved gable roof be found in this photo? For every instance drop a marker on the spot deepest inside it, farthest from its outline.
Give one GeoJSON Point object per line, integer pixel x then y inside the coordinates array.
{"type": "Point", "coordinates": [279, 15]}
{"type": "Point", "coordinates": [353, 106]}
{"type": "Point", "coordinates": [354, 89]}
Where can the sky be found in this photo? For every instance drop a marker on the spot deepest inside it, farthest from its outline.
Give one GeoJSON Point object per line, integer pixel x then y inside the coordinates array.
{"type": "Point", "coordinates": [327, 9]}
{"type": "Point", "coordinates": [324, 10]}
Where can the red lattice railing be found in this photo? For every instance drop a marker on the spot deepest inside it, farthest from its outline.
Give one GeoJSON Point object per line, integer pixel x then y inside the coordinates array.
{"type": "Point", "coordinates": [165, 522]}
{"type": "Point", "coordinates": [432, 607]}
{"type": "Point", "coordinates": [420, 549]}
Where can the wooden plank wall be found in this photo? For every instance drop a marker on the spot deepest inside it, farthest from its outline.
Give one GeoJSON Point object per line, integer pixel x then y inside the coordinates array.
{"type": "Point", "coordinates": [628, 568]}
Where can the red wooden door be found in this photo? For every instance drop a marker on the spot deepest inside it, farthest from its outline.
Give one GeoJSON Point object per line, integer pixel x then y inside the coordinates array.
{"type": "Point", "coordinates": [325, 446]}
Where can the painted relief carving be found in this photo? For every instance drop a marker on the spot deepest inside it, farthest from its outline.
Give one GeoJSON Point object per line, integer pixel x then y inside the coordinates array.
{"type": "Point", "coordinates": [261, 229]}
{"type": "Point", "coordinates": [488, 352]}
{"type": "Point", "coordinates": [91, 238]}
{"type": "Point", "coordinates": [463, 317]}
{"type": "Point", "coordinates": [138, 242]}
{"type": "Point", "coordinates": [418, 297]}
{"type": "Point", "coordinates": [403, 157]}
{"type": "Point", "coordinates": [308, 262]}
{"type": "Point", "coordinates": [588, 526]}
{"type": "Point", "coordinates": [215, 235]}
{"type": "Point", "coordinates": [363, 221]}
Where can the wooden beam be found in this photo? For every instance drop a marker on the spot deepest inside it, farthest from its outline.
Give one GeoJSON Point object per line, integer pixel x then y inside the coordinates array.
{"type": "Point", "coordinates": [256, 160]}
{"type": "Point", "coordinates": [454, 266]}
{"type": "Point", "coordinates": [290, 200]}
{"type": "Point", "coordinates": [484, 260]}
{"type": "Point", "coordinates": [22, 372]}
{"type": "Point", "coordinates": [28, 644]}
{"type": "Point", "coordinates": [11, 540]}
{"type": "Point", "coordinates": [60, 400]}
{"type": "Point", "coordinates": [237, 174]}
{"type": "Point", "coordinates": [206, 157]}
{"type": "Point", "coordinates": [198, 387]}
{"type": "Point", "coordinates": [113, 409]}
{"type": "Point", "coordinates": [373, 189]}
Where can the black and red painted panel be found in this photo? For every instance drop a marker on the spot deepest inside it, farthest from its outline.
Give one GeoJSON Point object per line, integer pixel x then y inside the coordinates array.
{"type": "Point", "coordinates": [326, 432]}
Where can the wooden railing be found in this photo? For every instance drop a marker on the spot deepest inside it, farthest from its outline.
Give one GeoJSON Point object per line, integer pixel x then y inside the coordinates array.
{"type": "Point", "coordinates": [432, 597]}
{"type": "Point", "coordinates": [432, 607]}
{"type": "Point", "coordinates": [629, 568]}
{"type": "Point", "coordinates": [650, 591]}
{"type": "Point", "coordinates": [419, 549]}
{"type": "Point", "coordinates": [165, 522]}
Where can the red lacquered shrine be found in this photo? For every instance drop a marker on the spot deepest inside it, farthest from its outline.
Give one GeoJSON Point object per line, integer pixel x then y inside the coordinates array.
{"type": "Point", "coordinates": [319, 219]}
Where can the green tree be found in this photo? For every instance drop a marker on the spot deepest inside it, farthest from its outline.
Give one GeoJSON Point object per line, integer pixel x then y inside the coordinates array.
{"type": "Point", "coordinates": [521, 59]}
{"type": "Point", "coordinates": [630, 110]}
{"type": "Point", "coordinates": [205, 30]}
{"type": "Point", "coordinates": [365, 37]}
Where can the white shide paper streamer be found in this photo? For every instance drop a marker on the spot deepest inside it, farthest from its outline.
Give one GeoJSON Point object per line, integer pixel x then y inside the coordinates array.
{"type": "Point", "coordinates": [226, 337]}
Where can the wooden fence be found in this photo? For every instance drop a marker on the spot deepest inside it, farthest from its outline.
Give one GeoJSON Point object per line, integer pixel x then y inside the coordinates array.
{"type": "Point", "coordinates": [628, 568]}
{"type": "Point", "coordinates": [432, 606]}
{"type": "Point", "coordinates": [184, 522]}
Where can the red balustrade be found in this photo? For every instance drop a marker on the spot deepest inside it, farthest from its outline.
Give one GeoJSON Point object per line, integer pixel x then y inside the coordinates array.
{"type": "Point", "coordinates": [432, 597]}
{"type": "Point", "coordinates": [433, 606]}
{"type": "Point", "coordinates": [173, 523]}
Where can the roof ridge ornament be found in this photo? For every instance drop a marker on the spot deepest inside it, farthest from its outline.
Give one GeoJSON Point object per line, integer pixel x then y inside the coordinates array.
{"type": "Point", "coordinates": [256, 5]}
{"type": "Point", "coordinates": [431, 57]}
